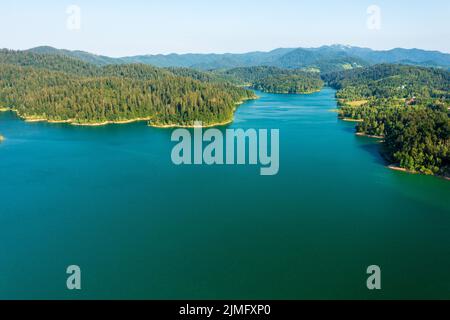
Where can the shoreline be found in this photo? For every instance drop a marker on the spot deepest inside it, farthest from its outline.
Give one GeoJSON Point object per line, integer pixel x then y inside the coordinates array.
{"type": "Point", "coordinates": [212, 125]}
{"type": "Point", "coordinates": [73, 122]}
{"type": "Point", "coordinates": [87, 124]}
{"type": "Point", "coordinates": [351, 120]}
{"type": "Point", "coordinates": [400, 169]}
{"type": "Point", "coordinates": [168, 126]}
{"type": "Point", "coordinates": [31, 120]}
{"type": "Point", "coordinates": [287, 92]}
{"type": "Point", "coordinates": [362, 134]}
{"type": "Point", "coordinates": [98, 124]}
{"type": "Point", "coordinates": [396, 167]}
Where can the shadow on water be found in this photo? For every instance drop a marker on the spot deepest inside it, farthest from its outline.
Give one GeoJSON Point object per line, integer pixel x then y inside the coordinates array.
{"type": "Point", "coordinates": [349, 129]}
{"type": "Point", "coordinates": [369, 145]}
{"type": "Point", "coordinates": [374, 149]}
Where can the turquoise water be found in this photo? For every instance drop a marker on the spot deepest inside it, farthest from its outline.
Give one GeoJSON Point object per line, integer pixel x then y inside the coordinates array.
{"type": "Point", "coordinates": [110, 200]}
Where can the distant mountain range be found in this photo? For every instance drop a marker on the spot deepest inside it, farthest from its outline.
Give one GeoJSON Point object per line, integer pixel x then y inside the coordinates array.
{"type": "Point", "coordinates": [324, 59]}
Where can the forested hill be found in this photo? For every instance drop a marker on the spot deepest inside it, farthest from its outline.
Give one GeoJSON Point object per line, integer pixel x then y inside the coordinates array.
{"type": "Point", "coordinates": [276, 80]}
{"type": "Point", "coordinates": [406, 106]}
{"type": "Point", "coordinates": [59, 88]}
{"type": "Point", "coordinates": [48, 61]}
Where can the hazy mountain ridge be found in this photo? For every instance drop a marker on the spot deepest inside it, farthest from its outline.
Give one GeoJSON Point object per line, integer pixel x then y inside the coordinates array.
{"type": "Point", "coordinates": [325, 59]}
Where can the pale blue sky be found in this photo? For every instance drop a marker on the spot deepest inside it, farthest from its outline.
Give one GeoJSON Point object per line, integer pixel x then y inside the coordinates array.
{"type": "Point", "coordinates": [120, 28]}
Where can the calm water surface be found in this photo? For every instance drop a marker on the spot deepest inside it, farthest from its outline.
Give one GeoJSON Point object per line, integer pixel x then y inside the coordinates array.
{"type": "Point", "coordinates": [110, 200]}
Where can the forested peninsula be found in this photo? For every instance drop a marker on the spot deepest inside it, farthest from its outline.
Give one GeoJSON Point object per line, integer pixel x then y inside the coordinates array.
{"type": "Point", "coordinates": [407, 107]}
{"type": "Point", "coordinates": [63, 89]}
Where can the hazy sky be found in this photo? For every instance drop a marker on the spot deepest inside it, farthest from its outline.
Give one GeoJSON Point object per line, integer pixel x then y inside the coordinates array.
{"type": "Point", "coordinates": [120, 28]}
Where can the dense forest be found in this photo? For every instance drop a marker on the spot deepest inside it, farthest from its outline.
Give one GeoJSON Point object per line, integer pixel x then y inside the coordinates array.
{"type": "Point", "coordinates": [406, 106]}
{"type": "Point", "coordinates": [64, 89]}
{"type": "Point", "coordinates": [276, 80]}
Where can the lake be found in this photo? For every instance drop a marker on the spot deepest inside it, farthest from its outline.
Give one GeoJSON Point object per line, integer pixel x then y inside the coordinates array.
{"type": "Point", "coordinates": [110, 200]}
